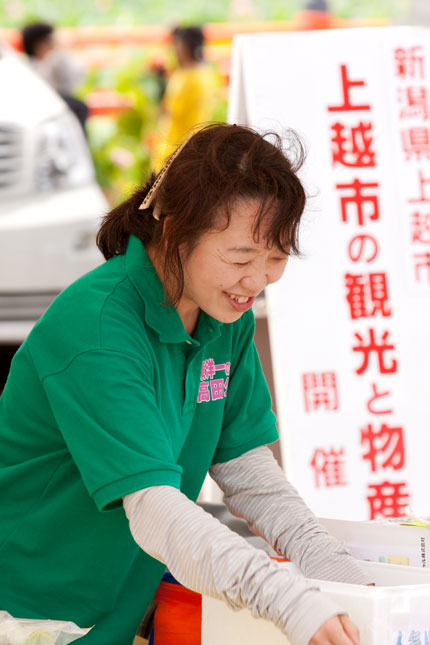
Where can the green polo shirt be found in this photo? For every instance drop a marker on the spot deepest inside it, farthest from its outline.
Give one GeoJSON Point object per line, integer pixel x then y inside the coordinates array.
{"type": "Point", "coordinates": [108, 395]}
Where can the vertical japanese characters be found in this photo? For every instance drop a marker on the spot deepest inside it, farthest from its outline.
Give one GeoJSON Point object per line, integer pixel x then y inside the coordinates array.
{"type": "Point", "coordinates": [412, 118]}
{"type": "Point", "coordinates": [373, 351]}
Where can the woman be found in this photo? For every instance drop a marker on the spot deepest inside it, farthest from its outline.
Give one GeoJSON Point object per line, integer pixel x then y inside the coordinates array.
{"type": "Point", "coordinates": [140, 377]}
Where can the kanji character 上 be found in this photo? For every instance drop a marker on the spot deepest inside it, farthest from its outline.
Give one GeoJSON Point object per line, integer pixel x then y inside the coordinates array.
{"type": "Point", "coordinates": [347, 84]}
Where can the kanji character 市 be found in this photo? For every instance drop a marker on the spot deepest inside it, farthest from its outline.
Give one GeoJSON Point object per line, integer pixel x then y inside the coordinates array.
{"type": "Point", "coordinates": [363, 247]}
{"type": "Point", "coordinates": [388, 499]}
{"type": "Point", "coordinates": [416, 141]}
{"type": "Point", "coordinates": [377, 395]}
{"type": "Point", "coordinates": [422, 262]}
{"type": "Point", "coordinates": [217, 388]}
{"type": "Point", "coordinates": [385, 447]}
{"type": "Point", "coordinates": [358, 201]}
{"type": "Point", "coordinates": [352, 146]}
{"type": "Point", "coordinates": [320, 391]}
{"type": "Point", "coordinates": [347, 84]}
{"type": "Point", "coordinates": [367, 295]}
{"type": "Point", "coordinates": [378, 349]}
{"type": "Point", "coordinates": [328, 467]}
{"type": "Point", "coordinates": [204, 394]}
{"type": "Point", "coordinates": [417, 103]}
{"type": "Point", "coordinates": [420, 227]}
{"type": "Point", "coordinates": [409, 62]}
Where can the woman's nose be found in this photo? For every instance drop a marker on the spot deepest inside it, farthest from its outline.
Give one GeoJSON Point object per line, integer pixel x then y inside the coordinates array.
{"type": "Point", "coordinates": [254, 282]}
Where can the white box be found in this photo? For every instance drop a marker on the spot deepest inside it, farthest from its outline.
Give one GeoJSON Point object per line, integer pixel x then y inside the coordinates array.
{"type": "Point", "coordinates": [383, 540]}
{"type": "Point", "coordinates": [395, 612]}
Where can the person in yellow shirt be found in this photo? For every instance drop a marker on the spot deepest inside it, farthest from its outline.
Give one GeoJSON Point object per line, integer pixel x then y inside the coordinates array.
{"type": "Point", "coordinates": [190, 95]}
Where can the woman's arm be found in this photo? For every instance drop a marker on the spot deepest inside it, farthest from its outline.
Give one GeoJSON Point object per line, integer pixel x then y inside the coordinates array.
{"type": "Point", "coordinates": [207, 557]}
{"type": "Point", "coordinates": [256, 489]}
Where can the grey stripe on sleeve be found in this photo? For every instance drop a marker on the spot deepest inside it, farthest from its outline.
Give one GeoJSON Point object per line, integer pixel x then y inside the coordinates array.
{"type": "Point", "coordinates": [205, 556]}
{"type": "Point", "coordinates": [256, 489]}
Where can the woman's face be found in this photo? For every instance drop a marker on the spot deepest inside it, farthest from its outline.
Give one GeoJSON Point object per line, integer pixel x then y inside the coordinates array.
{"type": "Point", "coordinates": [228, 269]}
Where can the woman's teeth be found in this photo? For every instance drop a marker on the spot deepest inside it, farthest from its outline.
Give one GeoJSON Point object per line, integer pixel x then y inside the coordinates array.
{"type": "Point", "coordinates": [240, 299]}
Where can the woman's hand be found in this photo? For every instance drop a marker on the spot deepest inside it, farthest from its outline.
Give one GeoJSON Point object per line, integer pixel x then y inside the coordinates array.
{"type": "Point", "coordinates": [338, 630]}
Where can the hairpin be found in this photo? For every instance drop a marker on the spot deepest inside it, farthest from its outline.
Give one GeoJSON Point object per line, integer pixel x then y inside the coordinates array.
{"type": "Point", "coordinates": [152, 193]}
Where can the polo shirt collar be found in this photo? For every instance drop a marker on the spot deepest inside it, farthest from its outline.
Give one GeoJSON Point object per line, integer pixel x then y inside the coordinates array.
{"type": "Point", "coordinates": [165, 320]}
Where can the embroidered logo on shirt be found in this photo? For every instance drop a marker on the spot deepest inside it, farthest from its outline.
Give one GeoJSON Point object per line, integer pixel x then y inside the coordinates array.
{"type": "Point", "coordinates": [210, 388]}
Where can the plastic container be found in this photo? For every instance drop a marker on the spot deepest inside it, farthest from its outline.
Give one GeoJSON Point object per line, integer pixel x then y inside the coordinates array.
{"type": "Point", "coordinates": [383, 540]}
{"type": "Point", "coordinates": [395, 612]}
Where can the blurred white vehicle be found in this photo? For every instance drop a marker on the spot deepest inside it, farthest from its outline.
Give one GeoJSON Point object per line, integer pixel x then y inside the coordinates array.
{"type": "Point", "coordinates": [50, 203]}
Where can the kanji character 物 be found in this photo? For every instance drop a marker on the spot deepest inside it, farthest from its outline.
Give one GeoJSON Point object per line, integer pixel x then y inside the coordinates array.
{"type": "Point", "coordinates": [385, 447]}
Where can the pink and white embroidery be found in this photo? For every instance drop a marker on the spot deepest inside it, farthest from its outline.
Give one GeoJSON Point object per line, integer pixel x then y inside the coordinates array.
{"type": "Point", "coordinates": [210, 388]}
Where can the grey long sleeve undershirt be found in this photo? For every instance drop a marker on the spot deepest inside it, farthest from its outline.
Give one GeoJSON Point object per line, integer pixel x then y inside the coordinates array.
{"type": "Point", "coordinates": [206, 556]}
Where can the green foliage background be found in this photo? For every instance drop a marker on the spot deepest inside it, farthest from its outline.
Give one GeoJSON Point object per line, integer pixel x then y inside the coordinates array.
{"type": "Point", "coordinates": [139, 12]}
{"type": "Point", "coordinates": [120, 144]}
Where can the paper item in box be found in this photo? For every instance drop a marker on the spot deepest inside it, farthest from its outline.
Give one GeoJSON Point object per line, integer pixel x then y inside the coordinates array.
{"type": "Point", "coordinates": [383, 541]}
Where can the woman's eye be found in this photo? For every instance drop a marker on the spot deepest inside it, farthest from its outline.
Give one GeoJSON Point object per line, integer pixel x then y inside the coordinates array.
{"type": "Point", "coordinates": [241, 264]}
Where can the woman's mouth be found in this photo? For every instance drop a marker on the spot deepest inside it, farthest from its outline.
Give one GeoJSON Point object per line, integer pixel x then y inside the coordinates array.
{"type": "Point", "coordinates": [239, 302]}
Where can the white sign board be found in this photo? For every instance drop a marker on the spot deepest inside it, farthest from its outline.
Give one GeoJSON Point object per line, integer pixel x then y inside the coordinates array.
{"type": "Point", "coordinates": [350, 320]}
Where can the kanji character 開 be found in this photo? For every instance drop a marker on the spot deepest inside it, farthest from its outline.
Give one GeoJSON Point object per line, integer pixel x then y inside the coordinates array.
{"type": "Point", "coordinates": [346, 86]}
{"type": "Point", "coordinates": [409, 62]}
{"type": "Point", "coordinates": [420, 227]}
{"type": "Point", "coordinates": [386, 444]}
{"type": "Point", "coordinates": [358, 152]}
{"type": "Point", "coordinates": [358, 200]}
{"type": "Point", "coordinates": [217, 388]}
{"type": "Point", "coordinates": [363, 247]}
{"type": "Point", "coordinates": [367, 295]}
{"type": "Point", "coordinates": [416, 141]}
{"type": "Point", "coordinates": [377, 395]}
{"type": "Point", "coordinates": [320, 390]}
{"type": "Point", "coordinates": [204, 394]}
{"type": "Point", "coordinates": [328, 467]}
{"type": "Point", "coordinates": [388, 499]}
{"type": "Point", "coordinates": [378, 349]}
{"type": "Point", "coordinates": [422, 261]}
{"type": "Point", "coordinates": [416, 100]}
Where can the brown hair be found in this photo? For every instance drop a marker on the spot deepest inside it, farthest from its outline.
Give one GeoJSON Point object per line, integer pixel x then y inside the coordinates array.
{"type": "Point", "coordinates": [217, 166]}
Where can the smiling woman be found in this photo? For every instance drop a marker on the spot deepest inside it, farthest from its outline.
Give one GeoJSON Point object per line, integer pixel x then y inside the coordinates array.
{"type": "Point", "coordinates": [140, 378]}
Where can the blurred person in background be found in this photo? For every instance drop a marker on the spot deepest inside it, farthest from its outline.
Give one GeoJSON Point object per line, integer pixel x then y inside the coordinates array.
{"type": "Point", "coordinates": [54, 65]}
{"type": "Point", "coordinates": [189, 97]}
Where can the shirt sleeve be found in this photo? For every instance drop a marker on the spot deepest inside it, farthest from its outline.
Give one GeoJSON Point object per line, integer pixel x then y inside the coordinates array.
{"type": "Point", "coordinates": [205, 556]}
{"type": "Point", "coordinates": [248, 419]}
{"type": "Point", "coordinates": [256, 489]}
{"type": "Point", "coordinates": [105, 406]}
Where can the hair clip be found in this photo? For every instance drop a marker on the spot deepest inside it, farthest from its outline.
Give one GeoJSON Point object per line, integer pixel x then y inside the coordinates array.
{"type": "Point", "coordinates": [152, 193]}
